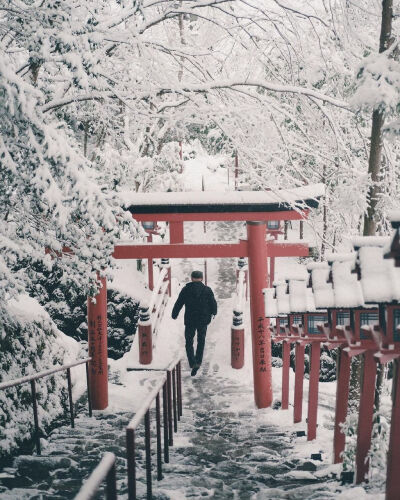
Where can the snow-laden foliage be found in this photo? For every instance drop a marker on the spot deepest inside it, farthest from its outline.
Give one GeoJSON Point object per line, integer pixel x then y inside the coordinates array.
{"type": "Point", "coordinates": [277, 82]}
{"type": "Point", "coordinates": [349, 428]}
{"type": "Point", "coordinates": [48, 197]}
{"type": "Point", "coordinates": [379, 446]}
{"type": "Point", "coordinates": [67, 306]}
{"type": "Point", "coordinates": [30, 344]}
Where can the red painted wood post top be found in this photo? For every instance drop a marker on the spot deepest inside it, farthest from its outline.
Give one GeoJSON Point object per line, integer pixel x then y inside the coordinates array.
{"type": "Point", "coordinates": [393, 460]}
{"type": "Point", "coordinates": [150, 272]}
{"type": "Point", "coordinates": [342, 401]}
{"type": "Point", "coordinates": [313, 391]}
{"type": "Point", "coordinates": [97, 333]}
{"type": "Point", "coordinates": [298, 383]}
{"type": "Point", "coordinates": [261, 335]}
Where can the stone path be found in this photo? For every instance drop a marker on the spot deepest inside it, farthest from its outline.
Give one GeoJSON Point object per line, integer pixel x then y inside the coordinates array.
{"type": "Point", "coordinates": [230, 455]}
{"type": "Point", "coordinates": [218, 453]}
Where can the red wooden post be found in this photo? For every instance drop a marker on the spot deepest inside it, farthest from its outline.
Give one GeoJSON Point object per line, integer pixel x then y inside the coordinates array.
{"type": "Point", "coordinates": [298, 383]}
{"type": "Point", "coordinates": [237, 348]}
{"type": "Point", "coordinates": [176, 232]}
{"type": "Point", "coordinates": [261, 335]}
{"type": "Point", "coordinates": [145, 344]}
{"type": "Point", "coordinates": [342, 399]}
{"type": "Point", "coordinates": [313, 391]}
{"type": "Point", "coordinates": [97, 333]}
{"type": "Point", "coordinates": [285, 374]}
{"type": "Point", "coordinates": [365, 416]}
{"type": "Point", "coordinates": [150, 265]}
{"type": "Point", "coordinates": [393, 457]}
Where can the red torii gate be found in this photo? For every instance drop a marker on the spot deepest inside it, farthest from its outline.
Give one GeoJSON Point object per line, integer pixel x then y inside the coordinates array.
{"type": "Point", "coordinates": [256, 208]}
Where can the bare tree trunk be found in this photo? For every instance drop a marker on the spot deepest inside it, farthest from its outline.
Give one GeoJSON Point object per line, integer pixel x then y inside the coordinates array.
{"type": "Point", "coordinates": [375, 156]}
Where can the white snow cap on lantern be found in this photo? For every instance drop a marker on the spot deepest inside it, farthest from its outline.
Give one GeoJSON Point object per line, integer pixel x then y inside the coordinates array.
{"type": "Point", "coordinates": [370, 241]}
{"type": "Point", "coordinates": [378, 276]}
{"type": "Point", "coordinates": [282, 297]}
{"type": "Point", "coordinates": [323, 291]}
{"type": "Point", "coordinates": [270, 303]}
{"type": "Point", "coordinates": [297, 296]}
{"type": "Point", "coordinates": [394, 215]}
{"type": "Point", "coordinates": [297, 272]}
{"type": "Point", "coordinates": [346, 287]}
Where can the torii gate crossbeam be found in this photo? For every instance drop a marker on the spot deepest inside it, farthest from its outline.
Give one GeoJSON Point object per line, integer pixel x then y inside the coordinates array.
{"type": "Point", "coordinates": [205, 250]}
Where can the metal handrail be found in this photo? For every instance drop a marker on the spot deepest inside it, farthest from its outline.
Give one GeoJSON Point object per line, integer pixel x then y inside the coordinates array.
{"type": "Point", "coordinates": [135, 421]}
{"type": "Point", "coordinates": [171, 386]}
{"type": "Point", "coordinates": [47, 373]}
{"type": "Point", "coordinates": [104, 471]}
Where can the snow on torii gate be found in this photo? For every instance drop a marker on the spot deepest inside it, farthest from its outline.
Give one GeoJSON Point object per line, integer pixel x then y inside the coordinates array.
{"type": "Point", "coordinates": [254, 207]}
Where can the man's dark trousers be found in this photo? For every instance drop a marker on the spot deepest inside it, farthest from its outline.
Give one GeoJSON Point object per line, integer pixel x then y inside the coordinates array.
{"type": "Point", "coordinates": [190, 332]}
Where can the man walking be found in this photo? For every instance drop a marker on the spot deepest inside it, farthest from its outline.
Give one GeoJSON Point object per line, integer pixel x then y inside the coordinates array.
{"type": "Point", "coordinates": [200, 306]}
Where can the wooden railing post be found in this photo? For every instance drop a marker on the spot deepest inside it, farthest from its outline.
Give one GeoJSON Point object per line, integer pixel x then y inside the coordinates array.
{"type": "Point", "coordinates": [131, 463]}
{"type": "Point", "coordinates": [35, 416]}
{"type": "Point", "coordinates": [298, 383]}
{"type": "Point", "coordinates": [158, 432]}
{"type": "Point", "coordinates": [148, 454]}
{"type": "Point", "coordinates": [165, 423]}
{"type": "Point", "coordinates": [71, 403]}
{"type": "Point", "coordinates": [313, 391]}
{"type": "Point", "coordinates": [342, 399]}
{"type": "Point", "coordinates": [285, 374]}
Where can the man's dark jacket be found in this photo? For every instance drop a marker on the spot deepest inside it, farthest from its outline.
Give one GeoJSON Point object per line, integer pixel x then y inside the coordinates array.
{"type": "Point", "coordinates": [199, 303]}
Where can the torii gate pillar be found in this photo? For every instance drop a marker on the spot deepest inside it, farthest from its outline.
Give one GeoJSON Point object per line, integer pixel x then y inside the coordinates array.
{"type": "Point", "coordinates": [97, 340]}
{"type": "Point", "coordinates": [261, 336]}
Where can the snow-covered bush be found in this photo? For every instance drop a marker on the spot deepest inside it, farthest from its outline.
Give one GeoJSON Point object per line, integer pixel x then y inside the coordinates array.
{"type": "Point", "coordinates": [349, 428]}
{"type": "Point", "coordinates": [379, 446]}
{"type": "Point", "coordinates": [30, 343]}
{"type": "Point", "coordinates": [67, 306]}
{"type": "Point", "coordinates": [327, 364]}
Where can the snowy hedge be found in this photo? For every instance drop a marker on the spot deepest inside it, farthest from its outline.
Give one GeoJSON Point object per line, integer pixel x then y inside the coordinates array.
{"type": "Point", "coordinates": [68, 309]}
{"type": "Point", "coordinates": [31, 343]}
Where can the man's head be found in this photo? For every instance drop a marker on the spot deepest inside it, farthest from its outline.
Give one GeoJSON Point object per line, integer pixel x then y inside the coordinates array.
{"type": "Point", "coordinates": [197, 276]}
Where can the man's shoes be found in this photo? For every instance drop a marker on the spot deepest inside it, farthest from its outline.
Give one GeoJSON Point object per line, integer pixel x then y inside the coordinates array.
{"type": "Point", "coordinates": [195, 369]}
